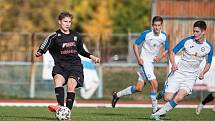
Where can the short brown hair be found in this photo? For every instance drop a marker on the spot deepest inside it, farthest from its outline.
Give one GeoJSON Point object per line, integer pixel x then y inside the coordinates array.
{"type": "Point", "coordinates": [201, 24]}
{"type": "Point", "coordinates": [157, 18]}
{"type": "Point", "coordinates": [64, 14]}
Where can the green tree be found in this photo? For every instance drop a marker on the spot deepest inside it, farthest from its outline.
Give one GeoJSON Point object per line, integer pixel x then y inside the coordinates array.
{"type": "Point", "coordinates": [133, 15]}
{"type": "Point", "coordinates": [41, 15]}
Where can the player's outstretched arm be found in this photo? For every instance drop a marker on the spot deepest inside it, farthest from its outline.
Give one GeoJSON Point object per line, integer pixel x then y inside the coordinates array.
{"type": "Point", "coordinates": [95, 59]}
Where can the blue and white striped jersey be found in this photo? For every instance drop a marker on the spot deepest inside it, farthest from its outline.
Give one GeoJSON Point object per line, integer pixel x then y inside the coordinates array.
{"type": "Point", "coordinates": [151, 44]}
{"type": "Point", "coordinates": [193, 53]}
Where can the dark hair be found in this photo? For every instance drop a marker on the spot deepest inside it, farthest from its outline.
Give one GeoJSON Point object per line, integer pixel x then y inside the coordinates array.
{"type": "Point", "coordinates": [64, 14]}
{"type": "Point", "coordinates": [201, 24]}
{"type": "Point", "coordinates": [157, 18]}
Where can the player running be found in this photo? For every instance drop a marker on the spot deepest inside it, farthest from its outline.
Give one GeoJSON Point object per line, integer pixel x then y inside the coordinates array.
{"type": "Point", "coordinates": [195, 48]}
{"type": "Point", "coordinates": [152, 41]}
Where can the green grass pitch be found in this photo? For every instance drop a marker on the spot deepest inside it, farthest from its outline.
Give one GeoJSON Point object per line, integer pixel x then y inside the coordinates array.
{"type": "Point", "coordinates": [102, 114]}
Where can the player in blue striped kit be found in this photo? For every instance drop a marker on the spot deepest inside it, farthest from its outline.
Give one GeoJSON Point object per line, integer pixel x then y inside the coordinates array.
{"type": "Point", "coordinates": [195, 49]}
{"type": "Point", "coordinates": [152, 41]}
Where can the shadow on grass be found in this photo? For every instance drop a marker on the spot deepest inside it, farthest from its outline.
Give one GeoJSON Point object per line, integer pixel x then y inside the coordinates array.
{"type": "Point", "coordinates": [147, 118]}
{"type": "Point", "coordinates": [108, 114]}
{"type": "Point", "coordinates": [16, 118]}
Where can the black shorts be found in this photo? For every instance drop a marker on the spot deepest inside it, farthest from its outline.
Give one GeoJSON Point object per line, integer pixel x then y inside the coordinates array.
{"type": "Point", "coordinates": [74, 71]}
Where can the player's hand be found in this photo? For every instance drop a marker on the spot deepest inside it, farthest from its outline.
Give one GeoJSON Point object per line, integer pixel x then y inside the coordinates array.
{"type": "Point", "coordinates": [157, 59]}
{"type": "Point", "coordinates": [174, 67]}
{"type": "Point", "coordinates": [38, 54]}
{"type": "Point", "coordinates": [201, 76]}
{"type": "Point", "coordinates": [95, 59]}
{"type": "Point", "coordinates": [140, 61]}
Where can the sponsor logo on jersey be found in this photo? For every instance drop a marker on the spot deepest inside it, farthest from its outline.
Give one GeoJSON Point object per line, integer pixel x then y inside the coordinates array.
{"type": "Point", "coordinates": [68, 44]}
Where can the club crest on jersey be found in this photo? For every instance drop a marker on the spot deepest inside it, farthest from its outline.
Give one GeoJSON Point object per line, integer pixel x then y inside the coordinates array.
{"type": "Point", "coordinates": [58, 35]}
{"type": "Point", "coordinates": [202, 49]}
{"type": "Point", "coordinates": [75, 38]}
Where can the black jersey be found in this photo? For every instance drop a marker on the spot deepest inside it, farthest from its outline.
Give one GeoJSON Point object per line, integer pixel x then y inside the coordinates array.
{"type": "Point", "coordinates": [64, 48]}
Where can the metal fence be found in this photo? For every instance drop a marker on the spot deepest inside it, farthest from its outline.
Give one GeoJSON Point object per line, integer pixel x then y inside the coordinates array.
{"type": "Point", "coordinates": [17, 78]}
{"type": "Point", "coordinates": [115, 49]}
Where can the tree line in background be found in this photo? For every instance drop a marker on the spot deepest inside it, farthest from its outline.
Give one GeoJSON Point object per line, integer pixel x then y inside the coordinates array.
{"type": "Point", "coordinates": [90, 16]}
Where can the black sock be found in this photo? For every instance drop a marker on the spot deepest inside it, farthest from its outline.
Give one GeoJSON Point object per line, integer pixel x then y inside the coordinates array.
{"type": "Point", "coordinates": [208, 99]}
{"type": "Point", "coordinates": [59, 92]}
{"type": "Point", "coordinates": [70, 99]}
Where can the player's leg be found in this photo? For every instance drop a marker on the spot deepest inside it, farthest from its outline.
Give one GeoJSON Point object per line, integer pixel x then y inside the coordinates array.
{"type": "Point", "coordinates": [207, 99]}
{"type": "Point", "coordinates": [153, 93]}
{"type": "Point", "coordinates": [59, 80]}
{"type": "Point", "coordinates": [173, 86]}
{"type": "Point", "coordinates": [127, 91]}
{"type": "Point", "coordinates": [71, 85]}
{"type": "Point", "coordinates": [213, 109]}
{"type": "Point", "coordinates": [172, 102]}
{"type": "Point", "coordinates": [168, 96]}
{"type": "Point", "coordinates": [160, 94]}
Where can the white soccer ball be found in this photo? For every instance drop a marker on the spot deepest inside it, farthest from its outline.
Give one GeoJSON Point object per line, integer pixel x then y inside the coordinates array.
{"type": "Point", "coordinates": [63, 113]}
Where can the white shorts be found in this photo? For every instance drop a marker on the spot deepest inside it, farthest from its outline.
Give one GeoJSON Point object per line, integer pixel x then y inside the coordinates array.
{"type": "Point", "coordinates": [181, 80]}
{"type": "Point", "coordinates": [149, 72]}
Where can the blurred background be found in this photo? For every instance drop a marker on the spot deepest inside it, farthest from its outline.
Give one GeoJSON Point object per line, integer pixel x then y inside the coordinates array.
{"type": "Point", "coordinates": [108, 28]}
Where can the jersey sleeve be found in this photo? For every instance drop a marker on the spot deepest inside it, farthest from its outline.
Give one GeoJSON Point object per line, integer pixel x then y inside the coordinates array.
{"type": "Point", "coordinates": [210, 54]}
{"type": "Point", "coordinates": [180, 45]}
{"type": "Point", "coordinates": [141, 38]}
{"type": "Point", "coordinates": [81, 49]}
{"type": "Point", "coordinates": [166, 42]}
{"type": "Point", "coordinates": [47, 43]}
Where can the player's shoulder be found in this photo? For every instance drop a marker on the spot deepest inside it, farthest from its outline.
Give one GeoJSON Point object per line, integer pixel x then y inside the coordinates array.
{"type": "Point", "coordinates": [163, 33]}
{"type": "Point", "coordinates": [146, 31]}
{"type": "Point", "coordinates": [209, 44]}
{"type": "Point", "coordinates": [188, 38]}
{"type": "Point", "coordinates": [75, 33]}
{"type": "Point", "coordinates": [52, 35]}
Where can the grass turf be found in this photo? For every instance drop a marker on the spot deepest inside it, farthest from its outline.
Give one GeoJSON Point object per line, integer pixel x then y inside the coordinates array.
{"type": "Point", "coordinates": [102, 114]}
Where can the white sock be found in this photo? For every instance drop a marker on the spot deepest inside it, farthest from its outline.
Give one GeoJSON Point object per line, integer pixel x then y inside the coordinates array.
{"type": "Point", "coordinates": [127, 91]}
{"type": "Point", "coordinates": [154, 101]}
{"type": "Point", "coordinates": [167, 107]}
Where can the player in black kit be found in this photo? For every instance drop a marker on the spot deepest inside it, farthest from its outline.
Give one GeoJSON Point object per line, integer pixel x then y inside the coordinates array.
{"type": "Point", "coordinates": [64, 45]}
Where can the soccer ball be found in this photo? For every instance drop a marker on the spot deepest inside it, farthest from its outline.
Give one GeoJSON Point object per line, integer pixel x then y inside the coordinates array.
{"type": "Point", "coordinates": [63, 113]}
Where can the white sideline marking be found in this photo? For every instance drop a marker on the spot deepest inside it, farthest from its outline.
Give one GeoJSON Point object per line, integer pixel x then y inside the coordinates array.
{"type": "Point", "coordinates": [94, 105]}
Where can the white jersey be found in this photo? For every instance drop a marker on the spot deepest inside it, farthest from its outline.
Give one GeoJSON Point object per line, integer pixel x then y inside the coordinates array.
{"type": "Point", "coordinates": [151, 44]}
{"type": "Point", "coordinates": [193, 54]}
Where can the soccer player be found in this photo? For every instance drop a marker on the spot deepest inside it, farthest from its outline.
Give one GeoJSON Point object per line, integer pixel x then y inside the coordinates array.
{"type": "Point", "coordinates": [152, 41]}
{"type": "Point", "coordinates": [64, 45]}
{"type": "Point", "coordinates": [195, 48]}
